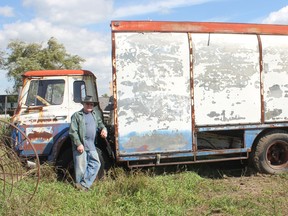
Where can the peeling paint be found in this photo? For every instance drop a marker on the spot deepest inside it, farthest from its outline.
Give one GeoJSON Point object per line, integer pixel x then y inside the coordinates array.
{"type": "Point", "coordinates": [40, 134]}
{"type": "Point", "coordinates": [44, 124]}
{"type": "Point", "coordinates": [233, 83]}
{"type": "Point", "coordinates": [273, 114]}
{"type": "Point", "coordinates": [225, 72]}
{"type": "Point", "coordinates": [275, 91]}
{"type": "Point", "coordinates": [153, 142]}
{"type": "Point", "coordinates": [275, 58]}
{"type": "Point", "coordinates": [153, 91]}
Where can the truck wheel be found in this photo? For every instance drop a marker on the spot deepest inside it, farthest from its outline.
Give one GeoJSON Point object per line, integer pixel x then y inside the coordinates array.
{"type": "Point", "coordinates": [271, 153]}
{"type": "Point", "coordinates": [65, 165]}
{"type": "Point", "coordinates": [105, 163]}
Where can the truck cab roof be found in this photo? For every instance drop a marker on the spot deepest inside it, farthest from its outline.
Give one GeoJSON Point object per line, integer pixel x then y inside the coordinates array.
{"type": "Point", "coordinates": [41, 73]}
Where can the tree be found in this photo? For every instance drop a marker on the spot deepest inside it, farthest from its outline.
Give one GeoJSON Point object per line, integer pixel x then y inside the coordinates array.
{"type": "Point", "coordinates": [105, 95]}
{"type": "Point", "coordinates": [23, 57]}
{"type": "Point", "coordinates": [1, 58]}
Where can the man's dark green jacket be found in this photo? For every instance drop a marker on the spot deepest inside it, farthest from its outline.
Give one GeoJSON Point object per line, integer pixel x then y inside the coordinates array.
{"type": "Point", "coordinates": [77, 127]}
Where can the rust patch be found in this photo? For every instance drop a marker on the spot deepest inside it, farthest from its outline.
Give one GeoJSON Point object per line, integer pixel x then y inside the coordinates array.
{"type": "Point", "coordinates": [199, 27]}
{"type": "Point", "coordinates": [40, 135]}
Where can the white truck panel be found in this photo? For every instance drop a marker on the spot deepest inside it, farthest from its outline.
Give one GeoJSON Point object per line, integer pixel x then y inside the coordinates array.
{"type": "Point", "coordinates": [226, 79]}
{"type": "Point", "coordinates": [275, 59]}
{"type": "Point", "coordinates": [153, 92]}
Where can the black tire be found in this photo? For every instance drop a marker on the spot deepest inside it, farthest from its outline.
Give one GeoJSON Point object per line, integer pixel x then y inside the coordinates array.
{"type": "Point", "coordinates": [271, 153]}
{"type": "Point", "coordinates": [65, 165]}
{"type": "Point", "coordinates": [105, 163]}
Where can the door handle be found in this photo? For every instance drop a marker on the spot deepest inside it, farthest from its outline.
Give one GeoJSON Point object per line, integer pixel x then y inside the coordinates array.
{"type": "Point", "coordinates": [60, 117]}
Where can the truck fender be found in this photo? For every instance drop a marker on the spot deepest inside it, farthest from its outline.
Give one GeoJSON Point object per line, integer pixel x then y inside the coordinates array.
{"type": "Point", "coordinates": [251, 136]}
{"type": "Point", "coordinates": [60, 142]}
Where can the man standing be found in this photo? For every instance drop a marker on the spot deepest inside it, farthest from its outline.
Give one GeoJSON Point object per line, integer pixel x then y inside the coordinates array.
{"type": "Point", "coordinates": [83, 131]}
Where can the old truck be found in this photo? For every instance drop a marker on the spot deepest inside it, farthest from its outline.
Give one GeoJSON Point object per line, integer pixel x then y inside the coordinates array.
{"type": "Point", "coordinates": [183, 93]}
{"type": "Point", "coordinates": [47, 101]}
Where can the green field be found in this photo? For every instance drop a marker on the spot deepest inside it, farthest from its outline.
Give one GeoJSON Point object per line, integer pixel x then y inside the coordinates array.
{"type": "Point", "coordinates": [200, 190]}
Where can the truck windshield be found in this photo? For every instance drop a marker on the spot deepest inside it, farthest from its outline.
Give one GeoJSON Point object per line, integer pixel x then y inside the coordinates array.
{"type": "Point", "coordinates": [45, 92]}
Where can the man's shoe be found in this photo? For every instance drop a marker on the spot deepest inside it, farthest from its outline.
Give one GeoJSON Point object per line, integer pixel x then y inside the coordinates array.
{"type": "Point", "coordinates": [78, 186]}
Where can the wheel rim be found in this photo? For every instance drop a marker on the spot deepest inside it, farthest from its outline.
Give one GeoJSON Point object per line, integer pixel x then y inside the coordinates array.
{"type": "Point", "coordinates": [277, 155]}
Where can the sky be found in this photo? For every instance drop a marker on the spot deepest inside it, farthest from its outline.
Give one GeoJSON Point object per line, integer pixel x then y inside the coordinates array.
{"type": "Point", "coordinates": [83, 26]}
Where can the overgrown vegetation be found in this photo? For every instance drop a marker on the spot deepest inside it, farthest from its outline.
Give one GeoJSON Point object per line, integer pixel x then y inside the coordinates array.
{"type": "Point", "coordinates": [202, 190]}
{"type": "Point", "coordinates": [206, 189]}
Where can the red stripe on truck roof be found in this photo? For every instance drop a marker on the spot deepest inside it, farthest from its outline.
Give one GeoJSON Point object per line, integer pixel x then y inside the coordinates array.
{"type": "Point", "coordinates": [198, 27]}
{"type": "Point", "coordinates": [41, 73]}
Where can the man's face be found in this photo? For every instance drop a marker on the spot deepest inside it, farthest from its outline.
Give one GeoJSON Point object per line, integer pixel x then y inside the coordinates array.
{"type": "Point", "coordinates": [88, 107]}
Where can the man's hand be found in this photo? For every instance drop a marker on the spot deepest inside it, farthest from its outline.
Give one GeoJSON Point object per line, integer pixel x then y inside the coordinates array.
{"type": "Point", "coordinates": [80, 149]}
{"type": "Point", "coordinates": [103, 133]}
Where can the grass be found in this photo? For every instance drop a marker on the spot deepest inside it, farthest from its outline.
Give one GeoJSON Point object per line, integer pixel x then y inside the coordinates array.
{"type": "Point", "coordinates": [196, 191]}
{"type": "Point", "coordinates": [208, 189]}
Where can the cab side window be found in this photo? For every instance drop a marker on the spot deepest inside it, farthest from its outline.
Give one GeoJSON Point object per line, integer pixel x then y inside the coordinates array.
{"type": "Point", "coordinates": [79, 91]}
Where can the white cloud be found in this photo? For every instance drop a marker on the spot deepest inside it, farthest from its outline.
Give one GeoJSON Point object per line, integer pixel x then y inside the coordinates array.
{"type": "Point", "coordinates": [74, 12]}
{"type": "Point", "coordinates": [86, 12]}
{"type": "Point", "coordinates": [278, 17]}
{"type": "Point", "coordinates": [146, 7]}
{"type": "Point", "coordinates": [92, 46]}
{"type": "Point", "coordinates": [68, 22]}
{"type": "Point", "coordinates": [6, 11]}
{"type": "Point", "coordinates": [78, 40]}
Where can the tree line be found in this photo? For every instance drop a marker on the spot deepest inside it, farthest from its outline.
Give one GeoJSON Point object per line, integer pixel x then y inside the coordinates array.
{"type": "Point", "coordinates": [20, 57]}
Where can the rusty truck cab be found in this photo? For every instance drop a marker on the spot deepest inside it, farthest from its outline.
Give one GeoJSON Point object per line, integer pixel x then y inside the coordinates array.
{"type": "Point", "coordinates": [46, 103]}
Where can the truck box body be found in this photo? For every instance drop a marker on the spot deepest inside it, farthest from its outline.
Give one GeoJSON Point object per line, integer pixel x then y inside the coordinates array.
{"type": "Point", "coordinates": [186, 89]}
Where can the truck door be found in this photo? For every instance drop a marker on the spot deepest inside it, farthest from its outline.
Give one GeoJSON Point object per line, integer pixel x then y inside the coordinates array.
{"type": "Point", "coordinates": [44, 117]}
{"type": "Point", "coordinates": [153, 93]}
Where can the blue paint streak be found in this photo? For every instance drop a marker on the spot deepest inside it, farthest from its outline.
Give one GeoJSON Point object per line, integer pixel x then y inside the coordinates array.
{"type": "Point", "coordinates": [186, 137]}
{"type": "Point", "coordinates": [250, 136]}
{"type": "Point", "coordinates": [58, 131]}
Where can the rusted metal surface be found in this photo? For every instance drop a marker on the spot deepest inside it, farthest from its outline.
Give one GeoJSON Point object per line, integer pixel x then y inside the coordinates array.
{"type": "Point", "coordinates": [153, 93]}
{"type": "Point", "coordinates": [232, 78]}
{"type": "Point", "coordinates": [226, 70]}
{"type": "Point", "coordinates": [198, 27]}
{"type": "Point", "coordinates": [194, 136]}
{"type": "Point", "coordinates": [158, 109]}
{"type": "Point", "coordinates": [46, 73]}
{"type": "Point", "coordinates": [17, 178]}
{"type": "Point", "coordinates": [44, 123]}
{"type": "Point", "coordinates": [114, 83]}
{"type": "Point", "coordinates": [261, 79]}
{"type": "Point", "coordinates": [43, 135]}
{"type": "Point", "coordinates": [131, 163]}
{"type": "Point", "coordinates": [277, 155]}
{"type": "Point", "coordinates": [275, 71]}
{"type": "Point", "coordinates": [201, 155]}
